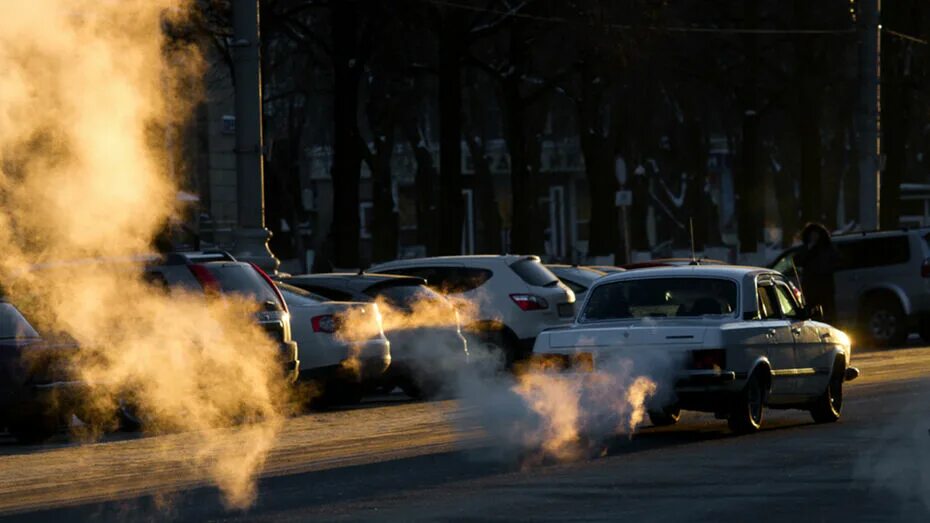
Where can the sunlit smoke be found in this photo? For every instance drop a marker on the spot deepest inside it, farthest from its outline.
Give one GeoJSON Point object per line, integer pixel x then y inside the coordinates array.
{"type": "Point", "coordinates": [86, 97]}
{"type": "Point", "coordinates": [547, 414]}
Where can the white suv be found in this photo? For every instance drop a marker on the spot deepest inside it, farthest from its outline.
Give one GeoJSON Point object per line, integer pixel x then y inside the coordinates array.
{"type": "Point", "coordinates": [516, 296]}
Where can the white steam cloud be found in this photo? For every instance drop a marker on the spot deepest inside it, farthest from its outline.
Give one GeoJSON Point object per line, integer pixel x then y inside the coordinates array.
{"type": "Point", "coordinates": [86, 94]}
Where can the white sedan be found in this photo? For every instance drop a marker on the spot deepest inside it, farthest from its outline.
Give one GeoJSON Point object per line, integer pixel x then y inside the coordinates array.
{"type": "Point", "coordinates": [328, 352]}
{"type": "Point", "coordinates": [729, 340]}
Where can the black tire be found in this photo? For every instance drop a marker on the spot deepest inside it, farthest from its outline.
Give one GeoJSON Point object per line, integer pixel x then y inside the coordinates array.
{"type": "Point", "coordinates": [829, 406]}
{"type": "Point", "coordinates": [129, 420]}
{"type": "Point", "coordinates": [884, 323]}
{"type": "Point", "coordinates": [665, 417]}
{"type": "Point", "coordinates": [748, 408]}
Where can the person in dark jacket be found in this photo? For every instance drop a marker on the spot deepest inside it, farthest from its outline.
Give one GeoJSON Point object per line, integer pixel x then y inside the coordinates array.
{"type": "Point", "coordinates": [817, 261]}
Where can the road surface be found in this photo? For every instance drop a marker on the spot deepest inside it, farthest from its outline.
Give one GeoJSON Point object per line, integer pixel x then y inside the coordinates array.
{"type": "Point", "coordinates": [410, 461]}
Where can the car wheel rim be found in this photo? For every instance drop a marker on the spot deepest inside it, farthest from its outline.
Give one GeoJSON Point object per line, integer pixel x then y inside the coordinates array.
{"type": "Point", "coordinates": [883, 325]}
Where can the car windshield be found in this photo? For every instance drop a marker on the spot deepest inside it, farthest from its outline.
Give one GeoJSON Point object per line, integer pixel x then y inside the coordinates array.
{"type": "Point", "coordinates": [534, 273]}
{"type": "Point", "coordinates": [243, 279]}
{"type": "Point", "coordinates": [661, 298]}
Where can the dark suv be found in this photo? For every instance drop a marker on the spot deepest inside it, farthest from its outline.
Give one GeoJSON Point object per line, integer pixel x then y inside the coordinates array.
{"type": "Point", "coordinates": [37, 388]}
{"type": "Point", "coordinates": [882, 283]}
{"type": "Point", "coordinates": [218, 271]}
{"type": "Point", "coordinates": [423, 356]}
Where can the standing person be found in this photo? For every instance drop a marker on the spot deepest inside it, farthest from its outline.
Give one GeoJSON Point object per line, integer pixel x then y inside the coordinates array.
{"type": "Point", "coordinates": [817, 261]}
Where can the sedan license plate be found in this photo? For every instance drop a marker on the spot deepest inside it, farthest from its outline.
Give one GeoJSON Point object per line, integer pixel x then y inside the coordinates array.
{"type": "Point", "coordinates": [566, 310]}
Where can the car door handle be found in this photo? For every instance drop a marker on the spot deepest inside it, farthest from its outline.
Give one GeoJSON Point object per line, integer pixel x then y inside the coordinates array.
{"type": "Point", "coordinates": [771, 333]}
{"type": "Point", "coordinates": [796, 330]}
{"type": "Point", "coordinates": [825, 336]}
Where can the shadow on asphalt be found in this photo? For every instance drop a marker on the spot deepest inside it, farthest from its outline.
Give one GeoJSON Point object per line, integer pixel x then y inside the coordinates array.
{"type": "Point", "coordinates": [316, 490]}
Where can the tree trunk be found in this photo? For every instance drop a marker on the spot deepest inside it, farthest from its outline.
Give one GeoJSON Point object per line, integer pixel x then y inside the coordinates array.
{"type": "Point", "coordinates": [597, 146]}
{"type": "Point", "coordinates": [895, 125]}
{"type": "Point", "coordinates": [748, 208]}
{"type": "Point", "coordinates": [489, 217]}
{"type": "Point", "coordinates": [748, 191]}
{"type": "Point", "coordinates": [347, 155]}
{"type": "Point", "coordinates": [808, 122]}
{"type": "Point", "coordinates": [450, 210]}
{"type": "Point", "coordinates": [384, 228]}
{"type": "Point", "coordinates": [603, 228]}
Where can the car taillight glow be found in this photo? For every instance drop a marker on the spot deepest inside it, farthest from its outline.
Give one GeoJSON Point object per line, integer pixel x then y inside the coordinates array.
{"type": "Point", "coordinates": [712, 359]}
{"type": "Point", "coordinates": [925, 269]}
{"type": "Point", "coordinates": [529, 302]}
{"type": "Point", "coordinates": [326, 323]}
{"type": "Point", "coordinates": [209, 282]}
{"type": "Point", "coordinates": [269, 281]}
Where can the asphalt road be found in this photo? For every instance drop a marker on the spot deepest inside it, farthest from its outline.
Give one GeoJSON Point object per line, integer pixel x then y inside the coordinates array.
{"type": "Point", "coordinates": [409, 461]}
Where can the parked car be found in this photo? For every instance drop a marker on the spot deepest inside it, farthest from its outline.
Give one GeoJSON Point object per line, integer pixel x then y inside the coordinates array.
{"type": "Point", "coordinates": [577, 278]}
{"type": "Point", "coordinates": [219, 272]}
{"type": "Point", "coordinates": [738, 340]}
{"type": "Point", "coordinates": [882, 283]}
{"type": "Point", "coordinates": [517, 297]}
{"type": "Point", "coordinates": [424, 354]}
{"type": "Point", "coordinates": [341, 359]}
{"type": "Point", "coordinates": [671, 262]}
{"type": "Point", "coordinates": [37, 387]}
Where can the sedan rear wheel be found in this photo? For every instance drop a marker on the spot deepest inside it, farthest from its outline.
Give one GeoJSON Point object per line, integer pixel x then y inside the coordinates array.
{"type": "Point", "coordinates": [748, 408]}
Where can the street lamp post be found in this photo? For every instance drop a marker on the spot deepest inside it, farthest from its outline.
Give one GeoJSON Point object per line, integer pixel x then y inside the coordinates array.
{"type": "Point", "coordinates": [251, 236]}
{"type": "Point", "coordinates": [869, 126]}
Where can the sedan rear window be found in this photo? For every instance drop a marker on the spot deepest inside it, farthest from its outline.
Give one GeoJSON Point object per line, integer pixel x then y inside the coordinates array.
{"type": "Point", "coordinates": [294, 295]}
{"type": "Point", "coordinates": [534, 273]}
{"type": "Point", "coordinates": [661, 298]}
{"type": "Point", "coordinates": [243, 279]}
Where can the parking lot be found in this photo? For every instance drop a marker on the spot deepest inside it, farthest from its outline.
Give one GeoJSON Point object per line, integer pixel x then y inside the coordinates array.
{"type": "Point", "coordinates": [391, 458]}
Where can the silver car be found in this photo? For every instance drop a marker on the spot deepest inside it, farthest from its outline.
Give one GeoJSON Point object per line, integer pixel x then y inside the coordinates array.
{"type": "Point", "coordinates": [727, 340]}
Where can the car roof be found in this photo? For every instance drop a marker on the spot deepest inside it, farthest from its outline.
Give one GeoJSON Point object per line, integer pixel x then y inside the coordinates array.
{"type": "Point", "coordinates": [846, 236]}
{"type": "Point", "coordinates": [352, 280]}
{"type": "Point", "coordinates": [437, 260]}
{"type": "Point", "coordinates": [708, 271]}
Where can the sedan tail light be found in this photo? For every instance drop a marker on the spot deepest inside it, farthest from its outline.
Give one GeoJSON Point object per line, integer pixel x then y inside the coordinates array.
{"type": "Point", "coordinates": [529, 302]}
{"type": "Point", "coordinates": [206, 279]}
{"type": "Point", "coordinates": [326, 323]}
{"type": "Point", "coordinates": [711, 359]}
{"type": "Point", "coordinates": [925, 269]}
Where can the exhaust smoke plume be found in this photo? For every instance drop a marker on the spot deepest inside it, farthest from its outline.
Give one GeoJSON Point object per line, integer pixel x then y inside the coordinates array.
{"type": "Point", "coordinates": [546, 414]}
{"type": "Point", "coordinates": [86, 94]}
{"type": "Point", "coordinates": [542, 413]}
